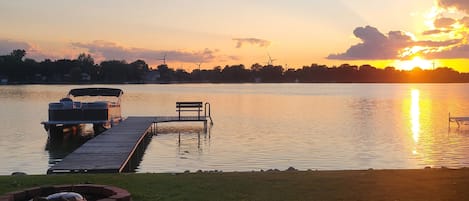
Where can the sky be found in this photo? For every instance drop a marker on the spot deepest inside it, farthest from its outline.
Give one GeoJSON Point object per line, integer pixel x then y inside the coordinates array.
{"type": "Point", "coordinates": [296, 33]}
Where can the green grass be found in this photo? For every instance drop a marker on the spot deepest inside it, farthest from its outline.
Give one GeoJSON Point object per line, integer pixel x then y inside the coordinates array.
{"type": "Point", "coordinates": [431, 184]}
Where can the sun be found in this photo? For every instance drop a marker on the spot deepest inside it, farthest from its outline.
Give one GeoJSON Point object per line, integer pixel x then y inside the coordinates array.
{"type": "Point", "coordinates": [414, 63]}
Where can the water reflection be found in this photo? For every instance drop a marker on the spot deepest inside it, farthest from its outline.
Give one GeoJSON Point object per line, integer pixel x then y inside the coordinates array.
{"type": "Point", "coordinates": [71, 139]}
{"type": "Point", "coordinates": [179, 145]}
{"type": "Point", "coordinates": [189, 139]}
{"type": "Point", "coordinates": [415, 115]}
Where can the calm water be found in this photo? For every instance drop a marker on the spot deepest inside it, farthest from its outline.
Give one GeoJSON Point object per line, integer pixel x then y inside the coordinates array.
{"type": "Point", "coordinates": [263, 126]}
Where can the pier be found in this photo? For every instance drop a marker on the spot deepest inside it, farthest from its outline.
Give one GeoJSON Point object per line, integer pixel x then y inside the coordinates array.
{"type": "Point", "coordinates": [458, 120]}
{"type": "Point", "coordinates": [119, 148]}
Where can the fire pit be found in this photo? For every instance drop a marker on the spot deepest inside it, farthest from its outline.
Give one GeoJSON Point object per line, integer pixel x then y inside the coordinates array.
{"type": "Point", "coordinates": [90, 191]}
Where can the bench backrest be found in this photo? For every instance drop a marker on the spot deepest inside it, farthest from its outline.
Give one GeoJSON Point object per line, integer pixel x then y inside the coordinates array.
{"type": "Point", "coordinates": [189, 105]}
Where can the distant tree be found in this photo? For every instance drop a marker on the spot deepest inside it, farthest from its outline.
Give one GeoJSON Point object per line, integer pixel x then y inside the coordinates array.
{"type": "Point", "coordinates": [18, 54]}
{"type": "Point", "coordinates": [291, 75]}
{"type": "Point", "coordinates": [166, 73]}
{"type": "Point", "coordinates": [235, 73]}
{"type": "Point", "coordinates": [19, 69]}
{"type": "Point", "coordinates": [85, 59]}
{"type": "Point", "coordinates": [137, 70]}
{"type": "Point", "coordinates": [75, 74]}
{"type": "Point", "coordinates": [114, 71]}
{"type": "Point", "coordinates": [181, 75]}
{"type": "Point", "coordinates": [271, 73]}
{"type": "Point", "coordinates": [86, 65]}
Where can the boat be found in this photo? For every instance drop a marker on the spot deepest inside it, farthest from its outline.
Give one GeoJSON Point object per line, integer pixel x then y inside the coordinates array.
{"type": "Point", "coordinates": [69, 113]}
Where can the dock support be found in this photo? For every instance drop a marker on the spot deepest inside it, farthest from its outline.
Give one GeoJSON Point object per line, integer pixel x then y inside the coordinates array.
{"type": "Point", "coordinates": [179, 138]}
{"type": "Point", "coordinates": [205, 126]}
{"type": "Point", "coordinates": [449, 120]}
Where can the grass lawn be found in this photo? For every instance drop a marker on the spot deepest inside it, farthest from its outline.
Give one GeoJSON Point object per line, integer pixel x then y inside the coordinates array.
{"type": "Point", "coordinates": [376, 185]}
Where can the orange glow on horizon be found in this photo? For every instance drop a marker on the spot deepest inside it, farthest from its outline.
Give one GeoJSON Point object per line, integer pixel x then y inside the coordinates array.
{"type": "Point", "coordinates": [416, 62]}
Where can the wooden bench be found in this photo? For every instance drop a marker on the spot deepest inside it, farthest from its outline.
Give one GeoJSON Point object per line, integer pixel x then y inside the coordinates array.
{"type": "Point", "coordinates": [189, 107]}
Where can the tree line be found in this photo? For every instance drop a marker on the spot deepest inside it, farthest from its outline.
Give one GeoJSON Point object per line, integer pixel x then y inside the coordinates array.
{"type": "Point", "coordinates": [15, 68]}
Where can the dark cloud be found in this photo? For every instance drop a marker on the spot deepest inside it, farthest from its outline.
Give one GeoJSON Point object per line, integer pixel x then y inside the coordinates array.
{"type": "Point", "coordinates": [462, 5]}
{"type": "Point", "coordinates": [107, 50]}
{"type": "Point", "coordinates": [375, 45]}
{"type": "Point", "coordinates": [435, 31]}
{"type": "Point", "coordinates": [429, 43]}
{"type": "Point", "coordinates": [464, 21]}
{"type": "Point", "coordinates": [444, 22]}
{"type": "Point", "coordinates": [7, 46]}
{"type": "Point", "coordinates": [456, 52]}
{"type": "Point", "coordinates": [252, 41]}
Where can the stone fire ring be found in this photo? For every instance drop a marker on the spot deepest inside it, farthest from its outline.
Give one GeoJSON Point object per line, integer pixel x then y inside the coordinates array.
{"type": "Point", "coordinates": [106, 193]}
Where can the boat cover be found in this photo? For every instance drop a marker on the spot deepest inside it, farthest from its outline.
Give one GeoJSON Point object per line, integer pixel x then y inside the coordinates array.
{"type": "Point", "coordinates": [96, 92]}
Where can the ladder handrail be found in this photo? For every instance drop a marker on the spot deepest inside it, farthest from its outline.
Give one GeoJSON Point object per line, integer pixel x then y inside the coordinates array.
{"type": "Point", "coordinates": [209, 114]}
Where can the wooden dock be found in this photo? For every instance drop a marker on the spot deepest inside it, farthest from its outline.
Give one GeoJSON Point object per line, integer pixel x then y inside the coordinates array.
{"type": "Point", "coordinates": [115, 150]}
{"type": "Point", "coordinates": [458, 120]}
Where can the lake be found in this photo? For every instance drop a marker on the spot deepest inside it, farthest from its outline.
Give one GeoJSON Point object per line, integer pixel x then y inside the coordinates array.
{"type": "Point", "coordinates": [263, 126]}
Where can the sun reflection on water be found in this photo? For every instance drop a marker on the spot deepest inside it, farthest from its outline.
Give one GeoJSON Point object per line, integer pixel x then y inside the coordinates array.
{"type": "Point", "coordinates": [415, 116]}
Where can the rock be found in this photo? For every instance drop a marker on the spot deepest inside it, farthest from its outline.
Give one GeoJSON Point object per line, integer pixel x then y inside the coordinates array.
{"type": "Point", "coordinates": [187, 172]}
{"type": "Point", "coordinates": [18, 173]}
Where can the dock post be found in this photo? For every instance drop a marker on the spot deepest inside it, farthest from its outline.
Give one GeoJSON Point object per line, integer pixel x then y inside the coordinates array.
{"type": "Point", "coordinates": [198, 140]}
{"type": "Point", "coordinates": [156, 129]}
{"type": "Point", "coordinates": [205, 126]}
{"type": "Point", "coordinates": [179, 138]}
{"type": "Point", "coordinates": [449, 120]}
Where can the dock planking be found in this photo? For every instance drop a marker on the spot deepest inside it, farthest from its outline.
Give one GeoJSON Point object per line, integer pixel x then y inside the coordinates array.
{"type": "Point", "coordinates": [108, 152]}
{"type": "Point", "coordinates": [112, 150]}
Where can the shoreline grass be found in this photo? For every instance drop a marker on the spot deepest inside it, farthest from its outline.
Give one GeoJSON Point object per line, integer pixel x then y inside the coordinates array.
{"type": "Point", "coordinates": [426, 184]}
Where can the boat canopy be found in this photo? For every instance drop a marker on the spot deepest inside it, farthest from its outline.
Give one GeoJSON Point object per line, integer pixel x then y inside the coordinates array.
{"type": "Point", "coordinates": [96, 92]}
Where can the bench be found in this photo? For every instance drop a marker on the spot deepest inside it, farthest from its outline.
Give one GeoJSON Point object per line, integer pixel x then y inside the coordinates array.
{"type": "Point", "coordinates": [189, 107]}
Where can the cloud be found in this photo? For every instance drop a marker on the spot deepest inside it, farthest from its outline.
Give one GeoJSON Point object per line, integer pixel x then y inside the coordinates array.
{"type": "Point", "coordinates": [434, 32]}
{"type": "Point", "coordinates": [452, 36]}
{"type": "Point", "coordinates": [252, 41]}
{"type": "Point", "coordinates": [456, 52]}
{"type": "Point", "coordinates": [395, 45]}
{"type": "Point", "coordinates": [429, 43]}
{"type": "Point", "coordinates": [444, 22]}
{"type": "Point", "coordinates": [7, 46]}
{"type": "Point", "coordinates": [464, 21]}
{"type": "Point", "coordinates": [462, 5]}
{"type": "Point", "coordinates": [32, 51]}
{"type": "Point", "coordinates": [104, 50]}
{"type": "Point", "coordinates": [375, 45]}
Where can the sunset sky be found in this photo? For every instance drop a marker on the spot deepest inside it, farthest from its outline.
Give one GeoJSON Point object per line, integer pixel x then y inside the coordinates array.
{"type": "Point", "coordinates": [295, 33]}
